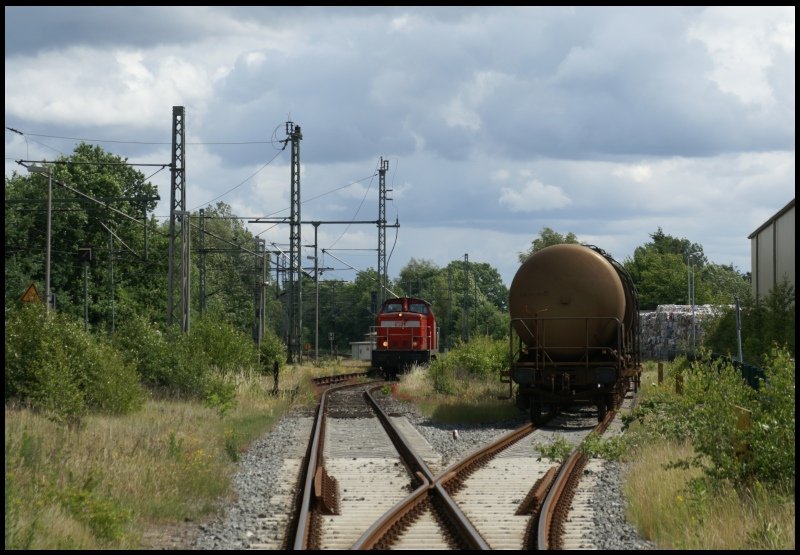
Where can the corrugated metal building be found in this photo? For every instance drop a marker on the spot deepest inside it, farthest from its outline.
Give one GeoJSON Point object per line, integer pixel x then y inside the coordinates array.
{"type": "Point", "coordinates": [772, 251]}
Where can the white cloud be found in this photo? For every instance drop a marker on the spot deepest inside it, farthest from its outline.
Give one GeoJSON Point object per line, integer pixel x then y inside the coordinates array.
{"type": "Point", "coordinates": [534, 196]}
{"type": "Point", "coordinates": [462, 111]}
{"type": "Point", "coordinates": [742, 42]}
{"type": "Point", "coordinates": [500, 175]}
{"type": "Point", "coordinates": [639, 173]}
{"type": "Point", "coordinates": [81, 86]}
{"type": "Point", "coordinates": [254, 59]}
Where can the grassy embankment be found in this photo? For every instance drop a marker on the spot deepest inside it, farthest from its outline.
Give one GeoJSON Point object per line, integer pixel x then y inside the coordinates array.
{"type": "Point", "coordinates": [673, 505]}
{"type": "Point", "coordinates": [99, 486]}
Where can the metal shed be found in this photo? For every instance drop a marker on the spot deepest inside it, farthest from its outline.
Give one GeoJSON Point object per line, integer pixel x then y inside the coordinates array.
{"type": "Point", "coordinates": [772, 251]}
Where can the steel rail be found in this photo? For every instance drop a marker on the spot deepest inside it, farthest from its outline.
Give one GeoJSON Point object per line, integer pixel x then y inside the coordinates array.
{"type": "Point", "coordinates": [314, 461]}
{"type": "Point", "coordinates": [555, 499]}
{"type": "Point", "coordinates": [429, 488]}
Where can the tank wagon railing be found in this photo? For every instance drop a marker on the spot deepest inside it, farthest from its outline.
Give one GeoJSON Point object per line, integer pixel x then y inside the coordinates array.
{"type": "Point", "coordinates": [585, 355]}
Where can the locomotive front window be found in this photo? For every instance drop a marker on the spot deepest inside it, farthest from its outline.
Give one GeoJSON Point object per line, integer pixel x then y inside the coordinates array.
{"type": "Point", "coordinates": [418, 308]}
{"type": "Point", "coordinates": [393, 307]}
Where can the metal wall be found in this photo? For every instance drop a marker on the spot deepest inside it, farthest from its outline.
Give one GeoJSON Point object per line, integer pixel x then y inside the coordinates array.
{"type": "Point", "coordinates": [772, 251]}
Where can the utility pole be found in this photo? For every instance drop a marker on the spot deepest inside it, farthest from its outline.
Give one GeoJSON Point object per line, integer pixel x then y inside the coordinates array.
{"type": "Point", "coordinates": [449, 305]}
{"type": "Point", "coordinates": [49, 171]}
{"type": "Point", "coordinates": [316, 285]}
{"type": "Point", "coordinates": [466, 297]}
{"type": "Point", "coordinates": [111, 273]}
{"type": "Point", "coordinates": [257, 281]}
{"type": "Point", "coordinates": [739, 356]}
{"type": "Point", "coordinates": [264, 277]}
{"type": "Point", "coordinates": [202, 264]}
{"type": "Point", "coordinates": [85, 256]}
{"type": "Point", "coordinates": [294, 272]}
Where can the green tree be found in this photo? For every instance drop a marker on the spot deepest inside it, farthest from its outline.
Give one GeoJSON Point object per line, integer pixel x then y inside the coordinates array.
{"type": "Point", "coordinates": [418, 276]}
{"type": "Point", "coordinates": [720, 284]}
{"type": "Point", "coordinates": [547, 237]}
{"type": "Point", "coordinates": [661, 271]}
{"type": "Point", "coordinates": [345, 310]}
{"type": "Point", "coordinates": [764, 323]}
{"type": "Point", "coordinates": [659, 278]}
{"type": "Point", "coordinates": [232, 269]}
{"type": "Point", "coordinates": [478, 305]}
{"type": "Point", "coordinates": [114, 227]}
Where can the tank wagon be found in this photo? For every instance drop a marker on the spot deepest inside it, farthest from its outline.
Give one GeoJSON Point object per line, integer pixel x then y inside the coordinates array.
{"type": "Point", "coordinates": [405, 333]}
{"type": "Point", "coordinates": [574, 336]}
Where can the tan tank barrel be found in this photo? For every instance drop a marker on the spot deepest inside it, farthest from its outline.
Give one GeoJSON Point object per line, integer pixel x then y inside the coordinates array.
{"type": "Point", "coordinates": [567, 281]}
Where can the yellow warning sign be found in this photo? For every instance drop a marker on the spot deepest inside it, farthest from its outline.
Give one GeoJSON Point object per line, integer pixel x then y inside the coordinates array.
{"type": "Point", "coordinates": [31, 295]}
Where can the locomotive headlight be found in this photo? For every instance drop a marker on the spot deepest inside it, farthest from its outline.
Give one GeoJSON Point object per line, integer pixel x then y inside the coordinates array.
{"type": "Point", "coordinates": [413, 343]}
{"type": "Point", "coordinates": [385, 343]}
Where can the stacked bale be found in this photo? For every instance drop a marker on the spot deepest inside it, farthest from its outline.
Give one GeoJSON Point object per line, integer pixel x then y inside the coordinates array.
{"type": "Point", "coordinates": [667, 332]}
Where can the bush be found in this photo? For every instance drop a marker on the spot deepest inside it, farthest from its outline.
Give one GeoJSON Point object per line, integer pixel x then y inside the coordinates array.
{"type": "Point", "coordinates": [441, 373]}
{"type": "Point", "coordinates": [771, 438]}
{"type": "Point", "coordinates": [142, 344]}
{"type": "Point", "coordinates": [715, 397]}
{"type": "Point", "coordinates": [481, 356]}
{"type": "Point", "coordinates": [764, 322]}
{"type": "Point", "coordinates": [53, 365]}
{"type": "Point", "coordinates": [227, 348]}
{"type": "Point", "coordinates": [197, 364]}
{"type": "Point", "coordinates": [272, 350]}
{"type": "Point", "coordinates": [715, 392]}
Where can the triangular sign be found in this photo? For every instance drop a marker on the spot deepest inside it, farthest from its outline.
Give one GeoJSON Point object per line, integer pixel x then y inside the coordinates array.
{"type": "Point", "coordinates": [31, 295]}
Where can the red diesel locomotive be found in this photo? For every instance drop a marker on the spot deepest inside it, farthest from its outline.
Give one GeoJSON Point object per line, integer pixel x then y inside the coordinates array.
{"type": "Point", "coordinates": [405, 333]}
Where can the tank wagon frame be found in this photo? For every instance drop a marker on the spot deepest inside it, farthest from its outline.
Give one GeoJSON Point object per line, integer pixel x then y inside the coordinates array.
{"type": "Point", "coordinates": [584, 369]}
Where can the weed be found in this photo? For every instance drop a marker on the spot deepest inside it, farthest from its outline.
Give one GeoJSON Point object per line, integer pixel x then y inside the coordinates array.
{"type": "Point", "coordinates": [558, 450]}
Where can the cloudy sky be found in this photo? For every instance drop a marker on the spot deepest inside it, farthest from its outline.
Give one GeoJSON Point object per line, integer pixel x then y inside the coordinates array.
{"type": "Point", "coordinates": [497, 122]}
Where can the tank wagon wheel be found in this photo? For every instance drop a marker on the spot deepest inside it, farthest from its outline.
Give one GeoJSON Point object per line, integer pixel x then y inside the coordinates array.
{"type": "Point", "coordinates": [601, 408]}
{"type": "Point", "coordinates": [536, 410]}
{"type": "Point", "coordinates": [522, 401]}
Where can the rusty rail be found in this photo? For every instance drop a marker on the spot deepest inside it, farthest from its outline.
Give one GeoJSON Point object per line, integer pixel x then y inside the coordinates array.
{"type": "Point", "coordinates": [556, 504]}
{"type": "Point", "coordinates": [314, 478]}
{"type": "Point", "coordinates": [430, 490]}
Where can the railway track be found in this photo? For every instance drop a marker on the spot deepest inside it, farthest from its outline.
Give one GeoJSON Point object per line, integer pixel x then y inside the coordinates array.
{"type": "Point", "coordinates": [387, 489]}
{"type": "Point", "coordinates": [373, 481]}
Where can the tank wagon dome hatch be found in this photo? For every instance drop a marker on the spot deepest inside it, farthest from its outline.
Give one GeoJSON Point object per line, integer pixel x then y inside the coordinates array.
{"type": "Point", "coordinates": [568, 281]}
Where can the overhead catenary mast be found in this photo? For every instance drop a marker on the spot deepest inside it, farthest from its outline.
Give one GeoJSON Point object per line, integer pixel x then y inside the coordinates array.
{"type": "Point", "coordinates": [295, 259]}
{"type": "Point", "coordinates": [382, 198]}
{"type": "Point", "coordinates": [178, 227]}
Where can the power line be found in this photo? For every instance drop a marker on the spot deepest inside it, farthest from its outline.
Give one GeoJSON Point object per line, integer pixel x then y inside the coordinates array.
{"type": "Point", "coordinates": [84, 139]}
{"type": "Point", "coordinates": [71, 162]}
{"type": "Point", "coordinates": [240, 184]}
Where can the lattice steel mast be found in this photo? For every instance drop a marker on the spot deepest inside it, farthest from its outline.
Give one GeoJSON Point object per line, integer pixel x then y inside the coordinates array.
{"type": "Point", "coordinates": [295, 257]}
{"type": "Point", "coordinates": [179, 265]}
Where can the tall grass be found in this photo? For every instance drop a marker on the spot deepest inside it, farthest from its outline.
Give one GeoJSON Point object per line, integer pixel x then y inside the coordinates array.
{"type": "Point", "coordinates": [670, 506]}
{"type": "Point", "coordinates": [99, 485]}
{"type": "Point", "coordinates": [684, 497]}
